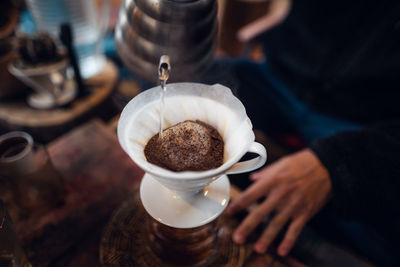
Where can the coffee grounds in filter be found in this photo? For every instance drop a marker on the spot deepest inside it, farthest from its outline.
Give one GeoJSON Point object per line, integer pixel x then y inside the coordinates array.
{"type": "Point", "coordinates": [186, 146]}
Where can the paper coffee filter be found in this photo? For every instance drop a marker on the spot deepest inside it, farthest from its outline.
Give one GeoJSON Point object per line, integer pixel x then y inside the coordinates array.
{"type": "Point", "coordinates": [215, 105]}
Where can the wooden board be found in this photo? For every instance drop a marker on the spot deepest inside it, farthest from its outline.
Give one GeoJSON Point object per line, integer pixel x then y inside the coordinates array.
{"type": "Point", "coordinates": [99, 177]}
{"type": "Point", "coordinates": [44, 125]}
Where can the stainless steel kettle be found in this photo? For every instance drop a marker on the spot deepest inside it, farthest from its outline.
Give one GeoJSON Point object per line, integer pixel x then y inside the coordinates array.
{"type": "Point", "coordinates": [185, 30]}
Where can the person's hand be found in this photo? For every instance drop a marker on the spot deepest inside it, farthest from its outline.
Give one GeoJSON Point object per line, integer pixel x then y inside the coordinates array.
{"type": "Point", "coordinates": [296, 187]}
{"type": "Point", "coordinates": [277, 12]}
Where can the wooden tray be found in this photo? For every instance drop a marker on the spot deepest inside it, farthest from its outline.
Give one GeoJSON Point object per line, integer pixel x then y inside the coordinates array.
{"type": "Point", "coordinates": [45, 125]}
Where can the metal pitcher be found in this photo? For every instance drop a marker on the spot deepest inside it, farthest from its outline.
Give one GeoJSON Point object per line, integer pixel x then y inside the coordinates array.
{"type": "Point", "coordinates": [185, 30]}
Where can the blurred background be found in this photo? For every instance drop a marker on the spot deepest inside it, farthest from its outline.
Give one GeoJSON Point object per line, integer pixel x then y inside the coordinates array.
{"type": "Point", "coordinates": [67, 69]}
{"type": "Point", "coordinates": [41, 92]}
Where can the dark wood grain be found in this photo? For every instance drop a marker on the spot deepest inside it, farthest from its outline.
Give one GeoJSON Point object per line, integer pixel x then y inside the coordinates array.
{"type": "Point", "coordinates": [99, 177]}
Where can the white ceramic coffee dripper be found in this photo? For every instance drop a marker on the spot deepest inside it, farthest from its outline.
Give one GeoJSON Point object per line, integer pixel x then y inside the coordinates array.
{"type": "Point", "coordinates": [188, 199]}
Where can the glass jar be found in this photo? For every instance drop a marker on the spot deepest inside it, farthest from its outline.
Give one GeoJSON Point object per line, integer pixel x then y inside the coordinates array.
{"type": "Point", "coordinates": [28, 172]}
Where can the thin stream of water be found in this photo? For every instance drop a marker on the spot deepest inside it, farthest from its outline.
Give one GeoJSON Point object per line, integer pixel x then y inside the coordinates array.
{"type": "Point", "coordinates": [164, 69]}
{"type": "Point", "coordinates": [162, 104]}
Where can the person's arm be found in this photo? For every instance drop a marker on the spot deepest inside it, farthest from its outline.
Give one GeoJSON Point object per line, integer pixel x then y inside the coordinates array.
{"type": "Point", "coordinates": [358, 170]}
{"type": "Point", "coordinates": [295, 188]}
{"type": "Point", "coordinates": [364, 168]}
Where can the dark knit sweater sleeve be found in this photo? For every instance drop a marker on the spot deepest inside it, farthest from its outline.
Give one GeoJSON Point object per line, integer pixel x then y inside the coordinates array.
{"type": "Point", "coordinates": [364, 166]}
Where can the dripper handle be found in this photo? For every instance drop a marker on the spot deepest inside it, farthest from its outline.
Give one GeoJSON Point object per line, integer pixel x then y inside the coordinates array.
{"type": "Point", "coordinates": [252, 164]}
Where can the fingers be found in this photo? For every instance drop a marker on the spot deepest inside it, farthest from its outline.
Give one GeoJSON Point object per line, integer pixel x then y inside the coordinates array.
{"type": "Point", "coordinates": [255, 218]}
{"type": "Point", "coordinates": [265, 172]}
{"type": "Point", "coordinates": [264, 180]}
{"type": "Point", "coordinates": [255, 191]}
{"type": "Point", "coordinates": [273, 228]}
{"type": "Point", "coordinates": [291, 235]}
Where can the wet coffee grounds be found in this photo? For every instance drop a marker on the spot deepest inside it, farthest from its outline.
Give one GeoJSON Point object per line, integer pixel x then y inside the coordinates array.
{"type": "Point", "coordinates": [186, 146]}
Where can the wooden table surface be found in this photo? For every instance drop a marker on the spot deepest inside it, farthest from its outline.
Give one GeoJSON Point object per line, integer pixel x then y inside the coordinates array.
{"type": "Point", "coordinates": [99, 177]}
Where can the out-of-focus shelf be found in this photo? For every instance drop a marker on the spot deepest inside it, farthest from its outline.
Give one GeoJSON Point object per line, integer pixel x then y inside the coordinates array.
{"type": "Point", "coordinates": [46, 124]}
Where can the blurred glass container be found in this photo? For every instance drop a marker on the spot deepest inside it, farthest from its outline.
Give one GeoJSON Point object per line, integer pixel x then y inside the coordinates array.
{"type": "Point", "coordinates": [27, 169]}
{"type": "Point", "coordinates": [11, 253]}
{"type": "Point", "coordinates": [89, 24]}
{"type": "Point", "coordinates": [184, 247]}
{"type": "Point", "coordinates": [52, 86]}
